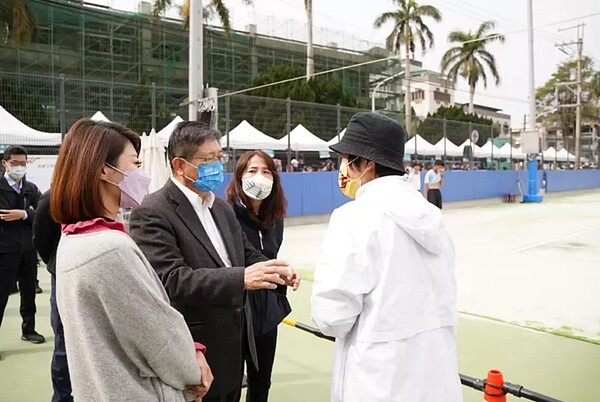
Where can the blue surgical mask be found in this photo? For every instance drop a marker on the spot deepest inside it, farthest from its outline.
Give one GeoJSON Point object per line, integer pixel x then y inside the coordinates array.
{"type": "Point", "coordinates": [210, 176]}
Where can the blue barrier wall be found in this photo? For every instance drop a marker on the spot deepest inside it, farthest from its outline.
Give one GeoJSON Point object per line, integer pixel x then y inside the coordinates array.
{"type": "Point", "coordinates": [318, 193]}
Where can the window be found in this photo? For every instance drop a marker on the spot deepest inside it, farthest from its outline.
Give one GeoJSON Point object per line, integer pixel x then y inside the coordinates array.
{"type": "Point", "coordinates": [441, 97]}
{"type": "Point", "coordinates": [418, 95]}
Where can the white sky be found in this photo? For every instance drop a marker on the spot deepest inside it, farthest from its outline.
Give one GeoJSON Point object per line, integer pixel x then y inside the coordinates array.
{"type": "Point", "coordinates": [355, 18]}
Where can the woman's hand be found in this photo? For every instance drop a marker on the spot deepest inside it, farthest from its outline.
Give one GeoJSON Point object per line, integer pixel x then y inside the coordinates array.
{"type": "Point", "coordinates": [293, 280]}
{"type": "Point", "coordinates": [206, 378]}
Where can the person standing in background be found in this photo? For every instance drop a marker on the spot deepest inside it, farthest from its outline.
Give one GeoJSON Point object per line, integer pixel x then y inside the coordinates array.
{"type": "Point", "coordinates": [434, 180]}
{"type": "Point", "coordinates": [256, 195]}
{"type": "Point", "coordinates": [46, 235]}
{"type": "Point", "coordinates": [414, 175]}
{"type": "Point", "coordinates": [18, 259]}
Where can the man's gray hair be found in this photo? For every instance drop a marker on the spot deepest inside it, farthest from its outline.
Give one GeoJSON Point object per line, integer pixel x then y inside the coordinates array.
{"type": "Point", "coordinates": [187, 137]}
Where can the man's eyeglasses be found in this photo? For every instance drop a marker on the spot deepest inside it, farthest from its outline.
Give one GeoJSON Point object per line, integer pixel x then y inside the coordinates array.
{"type": "Point", "coordinates": [223, 158]}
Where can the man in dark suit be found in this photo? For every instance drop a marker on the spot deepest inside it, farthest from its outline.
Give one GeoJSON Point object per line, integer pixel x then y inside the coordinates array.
{"type": "Point", "coordinates": [196, 245]}
{"type": "Point", "coordinates": [18, 201]}
{"type": "Point", "coordinates": [46, 236]}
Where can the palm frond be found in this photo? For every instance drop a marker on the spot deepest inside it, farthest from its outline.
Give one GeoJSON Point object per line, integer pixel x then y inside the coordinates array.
{"type": "Point", "coordinates": [22, 26]}
{"type": "Point", "coordinates": [383, 18]}
{"type": "Point", "coordinates": [459, 37]}
{"type": "Point", "coordinates": [484, 27]}
{"type": "Point", "coordinates": [223, 13]}
{"type": "Point", "coordinates": [429, 11]}
{"type": "Point", "coordinates": [160, 7]}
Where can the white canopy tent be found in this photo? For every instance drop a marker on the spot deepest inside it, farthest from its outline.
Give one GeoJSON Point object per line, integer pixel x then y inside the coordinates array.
{"type": "Point", "coordinates": [335, 139]}
{"type": "Point", "coordinates": [565, 156]}
{"type": "Point", "coordinates": [505, 151]}
{"type": "Point", "coordinates": [99, 116]}
{"type": "Point", "coordinates": [488, 150]}
{"type": "Point", "coordinates": [518, 154]}
{"type": "Point", "coordinates": [418, 145]}
{"type": "Point", "coordinates": [303, 140]}
{"type": "Point", "coordinates": [550, 154]}
{"type": "Point", "coordinates": [154, 162]}
{"type": "Point", "coordinates": [15, 132]}
{"type": "Point", "coordinates": [246, 136]}
{"type": "Point", "coordinates": [447, 147]}
{"type": "Point", "coordinates": [164, 134]}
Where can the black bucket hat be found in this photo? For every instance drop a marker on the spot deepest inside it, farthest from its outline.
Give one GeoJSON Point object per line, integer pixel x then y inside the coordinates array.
{"type": "Point", "coordinates": [374, 137]}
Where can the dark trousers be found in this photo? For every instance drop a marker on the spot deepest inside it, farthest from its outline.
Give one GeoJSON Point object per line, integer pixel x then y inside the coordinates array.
{"type": "Point", "coordinates": [59, 369]}
{"type": "Point", "coordinates": [259, 381]}
{"type": "Point", "coordinates": [23, 266]}
{"type": "Point", "coordinates": [434, 196]}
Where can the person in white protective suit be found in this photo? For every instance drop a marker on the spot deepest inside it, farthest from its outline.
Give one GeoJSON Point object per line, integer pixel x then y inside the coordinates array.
{"type": "Point", "coordinates": [384, 283]}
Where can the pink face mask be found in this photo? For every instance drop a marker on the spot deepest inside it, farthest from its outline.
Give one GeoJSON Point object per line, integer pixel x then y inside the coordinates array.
{"type": "Point", "coordinates": [134, 187]}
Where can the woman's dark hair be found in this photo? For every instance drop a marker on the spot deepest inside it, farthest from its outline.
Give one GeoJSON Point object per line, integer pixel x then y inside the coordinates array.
{"type": "Point", "coordinates": [274, 206]}
{"type": "Point", "coordinates": [380, 170]}
{"type": "Point", "coordinates": [88, 145]}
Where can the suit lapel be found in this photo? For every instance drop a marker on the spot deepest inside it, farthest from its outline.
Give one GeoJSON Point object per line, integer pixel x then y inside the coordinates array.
{"type": "Point", "coordinates": [190, 219]}
{"type": "Point", "coordinates": [226, 233]}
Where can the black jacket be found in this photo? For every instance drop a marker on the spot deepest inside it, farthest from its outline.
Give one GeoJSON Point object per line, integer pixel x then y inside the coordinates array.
{"type": "Point", "coordinates": [209, 295]}
{"type": "Point", "coordinates": [15, 236]}
{"type": "Point", "coordinates": [269, 307]}
{"type": "Point", "coordinates": [46, 233]}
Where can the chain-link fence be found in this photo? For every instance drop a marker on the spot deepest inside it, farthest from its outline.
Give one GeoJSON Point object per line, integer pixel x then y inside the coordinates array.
{"type": "Point", "coordinates": [52, 104]}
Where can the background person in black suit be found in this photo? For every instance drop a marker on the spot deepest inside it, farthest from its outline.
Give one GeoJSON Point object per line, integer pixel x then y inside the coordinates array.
{"type": "Point", "coordinates": [197, 247]}
{"type": "Point", "coordinates": [18, 201]}
{"type": "Point", "coordinates": [257, 197]}
{"type": "Point", "coordinates": [46, 235]}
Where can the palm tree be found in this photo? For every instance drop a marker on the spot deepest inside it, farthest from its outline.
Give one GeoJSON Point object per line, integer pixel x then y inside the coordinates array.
{"type": "Point", "coordinates": [213, 7]}
{"type": "Point", "coordinates": [310, 60]}
{"type": "Point", "coordinates": [470, 57]}
{"type": "Point", "coordinates": [16, 22]}
{"type": "Point", "coordinates": [408, 29]}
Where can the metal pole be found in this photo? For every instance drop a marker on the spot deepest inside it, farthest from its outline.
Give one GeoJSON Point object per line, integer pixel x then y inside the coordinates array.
{"type": "Point", "coordinates": [532, 119]}
{"type": "Point", "coordinates": [288, 125]}
{"type": "Point", "coordinates": [445, 139]}
{"type": "Point", "coordinates": [511, 149]}
{"type": "Point", "coordinates": [532, 165]}
{"type": "Point", "coordinates": [227, 121]}
{"type": "Point", "coordinates": [578, 116]}
{"type": "Point", "coordinates": [492, 141]}
{"type": "Point", "coordinates": [62, 106]}
{"type": "Point", "coordinates": [153, 96]}
{"type": "Point", "coordinates": [339, 121]}
{"type": "Point", "coordinates": [195, 85]}
{"type": "Point", "coordinates": [472, 153]}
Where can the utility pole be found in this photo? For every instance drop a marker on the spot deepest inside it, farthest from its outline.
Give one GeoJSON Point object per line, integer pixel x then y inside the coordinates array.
{"type": "Point", "coordinates": [577, 90]}
{"type": "Point", "coordinates": [195, 85]}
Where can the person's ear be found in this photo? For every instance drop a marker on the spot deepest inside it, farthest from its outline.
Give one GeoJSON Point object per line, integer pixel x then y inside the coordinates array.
{"type": "Point", "coordinates": [104, 172]}
{"type": "Point", "coordinates": [178, 165]}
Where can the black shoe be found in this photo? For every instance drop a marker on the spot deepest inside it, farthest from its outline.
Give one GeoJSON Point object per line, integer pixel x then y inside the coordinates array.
{"type": "Point", "coordinates": [38, 289]}
{"type": "Point", "coordinates": [34, 337]}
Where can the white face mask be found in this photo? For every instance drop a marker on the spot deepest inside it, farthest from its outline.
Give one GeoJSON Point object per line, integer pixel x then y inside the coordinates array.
{"type": "Point", "coordinates": [17, 172]}
{"type": "Point", "coordinates": [257, 187]}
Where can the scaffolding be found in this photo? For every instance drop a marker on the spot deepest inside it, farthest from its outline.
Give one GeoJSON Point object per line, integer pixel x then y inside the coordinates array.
{"type": "Point", "coordinates": [90, 45]}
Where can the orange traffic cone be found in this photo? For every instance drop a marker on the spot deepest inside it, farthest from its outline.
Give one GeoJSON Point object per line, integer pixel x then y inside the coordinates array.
{"type": "Point", "coordinates": [494, 392]}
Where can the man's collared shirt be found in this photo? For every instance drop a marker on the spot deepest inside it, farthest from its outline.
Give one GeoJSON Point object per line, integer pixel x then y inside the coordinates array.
{"type": "Point", "coordinates": [202, 209]}
{"type": "Point", "coordinates": [15, 186]}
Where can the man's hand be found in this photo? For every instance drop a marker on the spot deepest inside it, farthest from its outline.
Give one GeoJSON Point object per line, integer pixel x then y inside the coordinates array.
{"type": "Point", "coordinates": [9, 215]}
{"type": "Point", "coordinates": [266, 275]}
{"type": "Point", "coordinates": [206, 378]}
{"type": "Point", "coordinates": [293, 281]}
